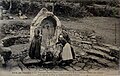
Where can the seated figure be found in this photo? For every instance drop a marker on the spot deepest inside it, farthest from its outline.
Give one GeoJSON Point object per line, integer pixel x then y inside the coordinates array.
{"type": "Point", "coordinates": [67, 52]}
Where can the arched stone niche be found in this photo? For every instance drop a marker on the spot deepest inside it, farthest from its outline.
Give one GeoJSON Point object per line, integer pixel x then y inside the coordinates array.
{"type": "Point", "coordinates": [43, 20]}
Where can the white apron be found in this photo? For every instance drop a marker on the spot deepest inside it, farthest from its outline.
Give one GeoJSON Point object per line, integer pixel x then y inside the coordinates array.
{"type": "Point", "coordinates": [67, 54]}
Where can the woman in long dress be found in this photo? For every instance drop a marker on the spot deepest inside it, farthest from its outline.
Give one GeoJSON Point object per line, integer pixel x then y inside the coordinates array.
{"type": "Point", "coordinates": [35, 47]}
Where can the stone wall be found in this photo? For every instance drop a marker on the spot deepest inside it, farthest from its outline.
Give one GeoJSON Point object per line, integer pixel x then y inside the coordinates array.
{"type": "Point", "coordinates": [93, 52]}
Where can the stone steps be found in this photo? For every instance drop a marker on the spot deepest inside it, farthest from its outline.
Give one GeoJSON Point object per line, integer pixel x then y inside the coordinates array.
{"type": "Point", "coordinates": [103, 49]}
{"type": "Point", "coordinates": [102, 61]}
{"type": "Point", "coordinates": [100, 54]}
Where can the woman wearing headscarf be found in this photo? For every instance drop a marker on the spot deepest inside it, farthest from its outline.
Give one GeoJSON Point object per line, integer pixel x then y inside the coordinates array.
{"type": "Point", "coordinates": [35, 46]}
{"type": "Point", "coordinates": [67, 52]}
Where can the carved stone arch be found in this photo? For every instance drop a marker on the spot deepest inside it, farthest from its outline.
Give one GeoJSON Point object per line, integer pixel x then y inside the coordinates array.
{"type": "Point", "coordinates": [43, 17]}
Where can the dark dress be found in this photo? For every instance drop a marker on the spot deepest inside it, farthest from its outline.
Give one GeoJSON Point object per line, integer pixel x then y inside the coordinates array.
{"type": "Point", "coordinates": [35, 47]}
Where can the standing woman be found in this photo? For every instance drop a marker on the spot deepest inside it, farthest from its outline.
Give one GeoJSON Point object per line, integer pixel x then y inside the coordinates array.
{"type": "Point", "coordinates": [35, 46]}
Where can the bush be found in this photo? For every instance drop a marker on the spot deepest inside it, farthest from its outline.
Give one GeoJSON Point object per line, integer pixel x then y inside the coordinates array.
{"type": "Point", "coordinates": [81, 9]}
{"type": "Point", "coordinates": [71, 10]}
{"type": "Point", "coordinates": [25, 7]}
{"type": "Point", "coordinates": [105, 11]}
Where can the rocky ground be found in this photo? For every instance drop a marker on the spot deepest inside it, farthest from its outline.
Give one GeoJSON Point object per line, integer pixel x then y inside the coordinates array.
{"type": "Point", "coordinates": [93, 39]}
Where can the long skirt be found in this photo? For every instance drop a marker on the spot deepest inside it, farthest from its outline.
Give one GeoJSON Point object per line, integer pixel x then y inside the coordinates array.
{"type": "Point", "coordinates": [35, 48]}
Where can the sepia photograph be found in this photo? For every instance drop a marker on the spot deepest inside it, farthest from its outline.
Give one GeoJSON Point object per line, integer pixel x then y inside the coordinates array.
{"type": "Point", "coordinates": [59, 37]}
